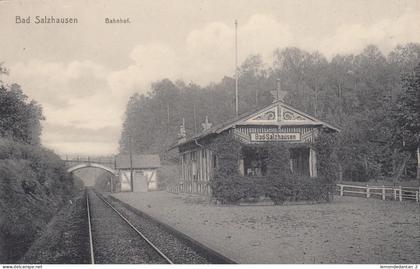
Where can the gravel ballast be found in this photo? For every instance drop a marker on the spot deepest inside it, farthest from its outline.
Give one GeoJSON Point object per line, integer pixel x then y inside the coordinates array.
{"type": "Point", "coordinates": [114, 241]}
{"type": "Point", "coordinates": [174, 245]}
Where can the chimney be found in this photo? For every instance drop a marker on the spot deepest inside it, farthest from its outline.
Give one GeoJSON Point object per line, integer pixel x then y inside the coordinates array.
{"type": "Point", "coordinates": [206, 125]}
{"type": "Point", "coordinates": [182, 135]}
{"type": "Point", "coordinates": [278, 94]}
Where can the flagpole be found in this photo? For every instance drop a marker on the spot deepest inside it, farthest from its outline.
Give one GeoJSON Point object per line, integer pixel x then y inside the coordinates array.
{"type": "Point", "coordinates": [236, 69]}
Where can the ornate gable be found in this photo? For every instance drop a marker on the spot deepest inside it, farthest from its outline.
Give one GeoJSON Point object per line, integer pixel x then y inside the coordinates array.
{"type": "Point", "coordinates": [290, 115]}
{"type": "Point", "coordinates": [269, 115]}
{"type": "Point", "coordinates": [276, 114]}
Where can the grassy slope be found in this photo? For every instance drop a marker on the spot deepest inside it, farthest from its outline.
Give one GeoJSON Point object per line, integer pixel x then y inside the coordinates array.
{"type": "Point", "coordinates": [33, 187]}
{"type": "Point", "coordinates": [66, 238]}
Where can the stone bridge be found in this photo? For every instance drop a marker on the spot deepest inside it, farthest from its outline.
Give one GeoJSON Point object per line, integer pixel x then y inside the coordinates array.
{"type": "Point", "coordinates": [108, 164]}
{"type": "Point", "coordinates": [129, 172]}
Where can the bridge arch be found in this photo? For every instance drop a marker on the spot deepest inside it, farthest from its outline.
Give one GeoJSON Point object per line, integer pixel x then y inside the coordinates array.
{"type": "Point", "coordinates": [95, 165]}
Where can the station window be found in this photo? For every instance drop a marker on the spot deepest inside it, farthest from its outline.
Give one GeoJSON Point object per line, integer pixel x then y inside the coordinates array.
{"type": "Point", "coordinates": [300, 161]}
{"type": "Point", "coordinates": [255, 163]}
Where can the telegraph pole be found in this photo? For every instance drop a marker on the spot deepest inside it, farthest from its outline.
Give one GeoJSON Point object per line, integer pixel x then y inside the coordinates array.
{"type": "Point", "coordinates": [131, 164]}
{"type": "Point", "coordinates": [195, 118]}
{"type": "Point", "coordinates": [168, 118]}
{"type": "Point", "coordinates": [236, 69]}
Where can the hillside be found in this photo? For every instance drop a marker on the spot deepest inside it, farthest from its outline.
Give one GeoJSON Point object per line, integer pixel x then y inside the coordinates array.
{"type": "Point", "coordinates": [34, 183]}
{"type": "Point", "coordinates": [33, 187]}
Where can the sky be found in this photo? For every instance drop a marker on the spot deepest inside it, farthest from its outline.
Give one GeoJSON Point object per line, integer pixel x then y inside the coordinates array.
{"type": "Point", "coordinates": [83, 74]}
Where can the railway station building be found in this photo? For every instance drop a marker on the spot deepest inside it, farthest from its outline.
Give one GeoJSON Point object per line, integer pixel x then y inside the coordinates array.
{"type": "Point", "coordinates": [277, 122]}
{"type": "Point", "coordinates": [144, 172]}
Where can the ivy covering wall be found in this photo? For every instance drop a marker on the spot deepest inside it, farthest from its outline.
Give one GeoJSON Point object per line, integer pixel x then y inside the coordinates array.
{"type": "Point", "coordinates": [279, 183]}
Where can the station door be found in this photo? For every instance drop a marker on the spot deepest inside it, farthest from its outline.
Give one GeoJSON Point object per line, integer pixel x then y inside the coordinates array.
{"type": "Point", "coordinates": [140, 182]}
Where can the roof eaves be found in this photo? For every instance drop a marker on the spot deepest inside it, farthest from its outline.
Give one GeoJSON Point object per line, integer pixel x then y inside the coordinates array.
{"type": "Point", "coordinates": [309, 116]}
{"type": "Point", "coordinates": [233, 122]}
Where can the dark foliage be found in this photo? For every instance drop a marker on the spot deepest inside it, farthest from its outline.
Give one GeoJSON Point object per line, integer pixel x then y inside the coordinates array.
{"type": "Point", "coordinates": [34, 183]}
{"type": "Point", "coordinates": [357, 93]}
{"type": "Point", "coordinates": [19, 118]}
{"type": "Point", "coordinates": [279, 184]}
{"type": "Point", "coordinates": [33, 186]}
{"type": "Point", "coordinates": [408, 109]}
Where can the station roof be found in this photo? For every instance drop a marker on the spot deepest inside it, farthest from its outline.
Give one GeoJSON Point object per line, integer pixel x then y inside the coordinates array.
{"type": "Point", "coordinates": [278, 110]}
{"type": "Point", "coordinates": [140, 161]}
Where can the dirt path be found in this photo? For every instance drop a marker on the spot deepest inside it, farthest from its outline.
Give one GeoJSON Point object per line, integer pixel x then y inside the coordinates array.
{"type": "Point", "coordinates": [349, 230]}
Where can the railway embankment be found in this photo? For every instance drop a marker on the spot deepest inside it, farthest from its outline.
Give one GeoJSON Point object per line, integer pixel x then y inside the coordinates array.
{"type": "Point", "coordinates": [65, 240]}
{"type": "Point", "coordinates": [34, 186]}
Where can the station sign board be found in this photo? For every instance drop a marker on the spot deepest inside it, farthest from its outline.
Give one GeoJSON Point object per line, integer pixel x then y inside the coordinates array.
{"type": "Point", "coordinates": [274, 136]}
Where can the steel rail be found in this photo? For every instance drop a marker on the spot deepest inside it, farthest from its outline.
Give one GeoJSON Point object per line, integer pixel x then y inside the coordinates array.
{"type": "Point", "coordinates": [136, 230]}
{"type": "Point", "coordinates": [92, 256]}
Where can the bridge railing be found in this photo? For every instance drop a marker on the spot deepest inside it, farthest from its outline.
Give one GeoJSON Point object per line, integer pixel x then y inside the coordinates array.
{"type": "Point", "coordinates": [111, 161]}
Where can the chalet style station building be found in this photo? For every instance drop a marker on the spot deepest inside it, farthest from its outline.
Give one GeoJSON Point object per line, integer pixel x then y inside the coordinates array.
{"type": "Point", "coordinates": [278, 122]}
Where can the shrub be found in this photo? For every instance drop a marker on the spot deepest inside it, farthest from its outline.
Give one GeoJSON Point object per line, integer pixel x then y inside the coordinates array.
{"type": "Point", "coordinates": [279, 183]}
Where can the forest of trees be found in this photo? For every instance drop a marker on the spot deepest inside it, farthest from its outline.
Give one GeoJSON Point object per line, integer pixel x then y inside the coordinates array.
{"type": "Point", "coordinates": [373, 98]}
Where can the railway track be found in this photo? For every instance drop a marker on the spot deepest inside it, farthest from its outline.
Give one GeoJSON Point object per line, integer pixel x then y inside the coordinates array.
{"type": "Point", "coordinates": [119, 234]}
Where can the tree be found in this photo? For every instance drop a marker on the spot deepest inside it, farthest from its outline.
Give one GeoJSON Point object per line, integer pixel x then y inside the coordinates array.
{"type": "Point", "coordinates": [352, 92]}
{"type": "Point", "coordinates": [408, 113]}
{"type": "Point", "coordinates": [254, 84]}
{"type": "Point", "coordinates": [20, 119]}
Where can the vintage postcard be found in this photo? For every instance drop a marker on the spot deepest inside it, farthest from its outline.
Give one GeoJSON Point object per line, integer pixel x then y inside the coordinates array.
{"type": "Point", "coordinates": [145, 132]}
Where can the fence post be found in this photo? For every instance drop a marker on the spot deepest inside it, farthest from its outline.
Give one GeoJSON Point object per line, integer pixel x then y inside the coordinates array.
{"type": "Point", "coordinates": [395, 194]}
{"type": "Point", "coordinates": [383, 192]}
{"type": "Point", "coordinates": [417, 196]}
{"type": "Point", "coordinates": [401, 198]}
{"type": "Point", "coordinates": [367, 191]}
{"type": "Point", "coordinates": [341, 190]}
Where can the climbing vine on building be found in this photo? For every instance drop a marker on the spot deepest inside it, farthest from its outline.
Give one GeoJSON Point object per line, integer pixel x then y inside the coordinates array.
{"type": "Point", "coordinates": [278, 182]}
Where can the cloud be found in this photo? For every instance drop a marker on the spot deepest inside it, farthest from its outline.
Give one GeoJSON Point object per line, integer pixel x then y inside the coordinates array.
{"type": "Point", "coordinates": [76, 92]}
{"type": "Point", "coordinates": [84, 101]}
{"type": "Point", "coordinates": [81, 99]}
{"type": "Point", "coordinates": [207, 55]}
{"type": "Point", "coordinates": [77, 102]}
{"type": "Point", "coordinates": [151, 62]}
{"type": "Point", "coordinates": [57, 84]}
{"type": "Point", "coordinates": [68, 138]}
{"type": "Point", "coordinates": [386, 34]}
{"type": "Point", "coordinates": [83, 148]}
{"type": "Point", "coordinates": [70, 133]}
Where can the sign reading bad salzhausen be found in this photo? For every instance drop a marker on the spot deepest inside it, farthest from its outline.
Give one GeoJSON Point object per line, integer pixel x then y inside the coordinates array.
{"type": "Point", "coordinates": [274, 136]}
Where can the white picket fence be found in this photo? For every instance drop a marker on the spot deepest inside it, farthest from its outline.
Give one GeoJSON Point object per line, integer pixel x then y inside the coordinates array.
{"type": "Point", "coordinates": [400, 193]}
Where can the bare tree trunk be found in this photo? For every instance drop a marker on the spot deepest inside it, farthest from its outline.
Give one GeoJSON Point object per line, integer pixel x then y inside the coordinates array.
{"type": "Point", "coordinates": [365, 163]}
{"type": "Point", "coordinates": [401, 168]}
{"type": "Point", "coordinates": [340, 172]}
{"type": "Point", "coordinates": [418, 163]}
